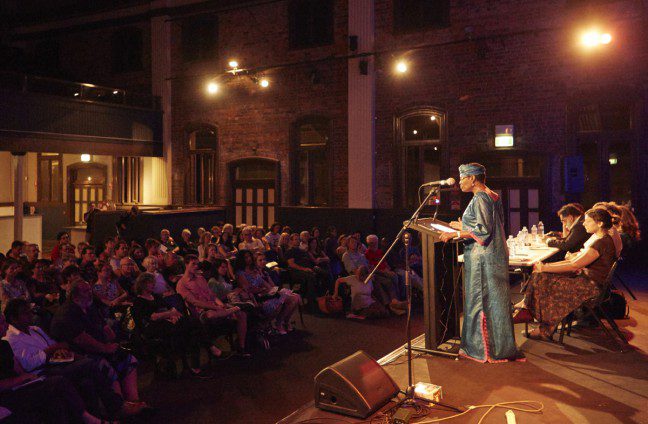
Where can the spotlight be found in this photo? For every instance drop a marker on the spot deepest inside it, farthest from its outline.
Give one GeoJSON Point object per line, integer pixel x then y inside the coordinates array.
{"type": "Point", "coordinates": [594, 38]}
{"type": "Point", "coordinates": [85, 157]}
{"type": "Point", "coordinates": [264, 82]}
{"type": "Point", "coordinates": [432, 118]}
{"type": "Point", "coordinates": [212, 88]}
{"type": "Point", "coordinates": [115, 92]}
{"type": "Point", "coordinates": [414, 132]}
{"type": "Point", "coordinates": [401, 67]}
{"type": "Point", "coordinates": [76, 94]}
{"type": "Point", "coordinates": [233, 64]}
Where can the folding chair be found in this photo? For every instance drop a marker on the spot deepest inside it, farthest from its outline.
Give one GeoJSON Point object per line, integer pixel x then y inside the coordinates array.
{"type": "Point", "coordinates": [593, 308]}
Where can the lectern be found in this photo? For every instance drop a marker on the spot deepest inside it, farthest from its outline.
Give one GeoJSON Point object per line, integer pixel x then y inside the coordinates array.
{"type": "Point", "coordinates": [441, 283]}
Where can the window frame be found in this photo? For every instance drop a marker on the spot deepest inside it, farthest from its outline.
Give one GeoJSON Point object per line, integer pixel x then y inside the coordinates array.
{"type": "Point", "coordinates": [296, 149]}
{"type": "Point", "coordinates": [191, 193]}
{"type": "Point", "coordinates": [401, 146]}
{"type": "Point", "coordinates": [135, 179]}
{"type": "Point", "coordinates": [39, 188]}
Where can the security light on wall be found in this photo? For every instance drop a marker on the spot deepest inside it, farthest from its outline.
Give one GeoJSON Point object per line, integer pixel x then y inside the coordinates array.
{"type": "Point", "coordinates": [504, 136]}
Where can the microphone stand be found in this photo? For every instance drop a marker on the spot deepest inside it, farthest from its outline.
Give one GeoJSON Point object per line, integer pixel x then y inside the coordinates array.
{"type": "Point", "coordinates": [409, 392]}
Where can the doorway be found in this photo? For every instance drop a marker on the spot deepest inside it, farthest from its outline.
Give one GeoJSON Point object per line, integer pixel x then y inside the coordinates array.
{"type": "Point", "coordinates": [86, 184]}
{"type": "Point", "coordinates": [254, 194]}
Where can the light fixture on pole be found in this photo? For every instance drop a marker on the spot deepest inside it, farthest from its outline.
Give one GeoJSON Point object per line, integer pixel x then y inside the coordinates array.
{"type": "Point", "coordinates": [401, 67]}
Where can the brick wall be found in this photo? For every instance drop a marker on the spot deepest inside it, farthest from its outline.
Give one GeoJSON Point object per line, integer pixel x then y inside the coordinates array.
{"type": "Point", "coordinates": [256, 122]}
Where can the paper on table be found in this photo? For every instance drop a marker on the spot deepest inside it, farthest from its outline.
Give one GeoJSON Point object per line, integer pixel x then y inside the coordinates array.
{"type": "Point", "coordinates": [441, 227]}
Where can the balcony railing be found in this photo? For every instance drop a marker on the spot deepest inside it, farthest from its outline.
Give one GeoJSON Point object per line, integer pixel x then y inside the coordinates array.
{"type": "Point", "coordinates": [76, 90]}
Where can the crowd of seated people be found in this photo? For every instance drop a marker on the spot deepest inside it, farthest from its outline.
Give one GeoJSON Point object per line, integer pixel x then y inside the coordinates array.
{"type": "Point", "coordinates": [90, 302]}
{"type": "Point", "coordinates": [591, 241]}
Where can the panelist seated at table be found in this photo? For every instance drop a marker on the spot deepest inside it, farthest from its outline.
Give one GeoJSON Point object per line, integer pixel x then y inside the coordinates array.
{"type": "Point", "coordinates": [556, 289]}
{"type": "Point", "coordinates": [574, 234]}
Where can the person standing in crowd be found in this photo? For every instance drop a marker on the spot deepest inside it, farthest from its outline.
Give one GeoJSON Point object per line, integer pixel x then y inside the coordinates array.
{"type": "Point", "coordinates": [89, 217]}
{"type": "Point", "coordinates": [573, 235]}
{"type": "Point", "coordinates": [487, 333]}
{"type": "Point", "coordinates": [127, 222]}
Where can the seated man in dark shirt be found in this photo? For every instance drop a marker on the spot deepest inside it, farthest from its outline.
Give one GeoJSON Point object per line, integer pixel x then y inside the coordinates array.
{"type": "Point", "coordinates": [129, 273]}
{"type": "Point", "coordinates": [80, 324]}
{"type": "Point", "coordinates": [574, 235]}
{"type": "Point", "coordinates": [87, 264]}
{"type": "Point", "coordinates": [302, 271]}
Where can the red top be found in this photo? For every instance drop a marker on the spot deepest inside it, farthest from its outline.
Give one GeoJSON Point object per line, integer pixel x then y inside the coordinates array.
{"type": "Point", "coordinates": [373, 256]}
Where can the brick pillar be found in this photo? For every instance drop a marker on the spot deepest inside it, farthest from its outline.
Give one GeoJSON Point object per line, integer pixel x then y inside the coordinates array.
{"type": "Point", "coordinates": [361, 107]}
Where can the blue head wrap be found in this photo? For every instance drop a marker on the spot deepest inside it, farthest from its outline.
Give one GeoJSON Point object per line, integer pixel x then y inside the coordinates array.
{"type": "Point", "coordinates": [471, 169]}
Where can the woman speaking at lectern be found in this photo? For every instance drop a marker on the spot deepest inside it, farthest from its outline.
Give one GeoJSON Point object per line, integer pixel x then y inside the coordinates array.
{"type": "Point", "coordinates": [487, 333]}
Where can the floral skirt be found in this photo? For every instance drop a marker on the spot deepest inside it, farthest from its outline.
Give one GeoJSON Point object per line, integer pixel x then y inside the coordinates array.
{"type": "Point", "coordinates": [551, 297]}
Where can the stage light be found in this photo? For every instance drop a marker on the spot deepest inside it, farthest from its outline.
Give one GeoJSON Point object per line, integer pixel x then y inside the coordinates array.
{"type": "Point", "coordinates": [233, 64]}
{"type": "Point", "coordinates": [115, 92]}
{"type": "Point", "coordinates": [401, 67]}
{"type": "Point", "coordinates": [212, 88]}
{"type": "Point", "coordinates": [264, 82]}
{"type": "Point", "coordinates": [594, 38]}
{"type": "Point", "coordinates": [414, 132]}
{"type": "Point", "coordinates": [76, 94]}
{"type": "Point", "coordinates": [85, 157]}
{"type": "Point", "coordinates": [432, 118]}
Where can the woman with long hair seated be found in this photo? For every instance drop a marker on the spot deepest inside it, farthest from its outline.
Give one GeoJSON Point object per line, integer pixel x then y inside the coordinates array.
{"type": "Point", "coordinates": [274, 303]}
{"type": "Point", "coordinates": [556, 289]}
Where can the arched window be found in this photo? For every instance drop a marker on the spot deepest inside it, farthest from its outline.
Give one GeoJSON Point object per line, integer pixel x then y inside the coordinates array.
{"type": "Point", "coordinates": [203, 165]}
{"type": "Point", "coordinates": [420, 135]}
{"type": "Point", "coordinates": [311, 164]}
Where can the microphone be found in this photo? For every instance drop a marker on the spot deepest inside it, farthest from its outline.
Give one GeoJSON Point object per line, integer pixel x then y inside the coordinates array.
{"type": "Point", "coordinates": [449, 182]}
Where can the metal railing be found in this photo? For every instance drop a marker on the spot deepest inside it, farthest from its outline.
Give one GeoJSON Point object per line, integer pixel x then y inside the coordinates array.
{"type": "Point", "coordinates": [76, 90]}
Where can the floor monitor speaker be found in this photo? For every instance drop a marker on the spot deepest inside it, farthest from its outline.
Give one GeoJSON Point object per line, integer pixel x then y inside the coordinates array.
{"type": "Point", "coordinates": [355, 386]}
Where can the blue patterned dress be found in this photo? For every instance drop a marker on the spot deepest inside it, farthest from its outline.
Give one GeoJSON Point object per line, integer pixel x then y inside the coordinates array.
{"type": "Point", "coordinates": [487, 333]}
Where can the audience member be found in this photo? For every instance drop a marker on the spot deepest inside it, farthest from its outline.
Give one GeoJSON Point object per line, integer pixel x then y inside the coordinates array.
{"type": "Point", "coordinates": [62, 238]}
{"type": "Point", "coordinates": [250, 243]}
{"type": "Point", "coordinates": [34, 349]}
{"type": "Point", "coordinates": [52, 400]}
{"type": "Point", "coordinates": [155, 319]}
{"type": "Point", "coordinates": [80, 324]}
{"type": "Point", "coordinates": [11, 286]}
{"type": "Point", "coordinates": [204, 305]}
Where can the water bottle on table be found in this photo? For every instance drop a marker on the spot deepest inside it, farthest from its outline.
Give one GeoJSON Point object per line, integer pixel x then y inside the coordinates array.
{"type": "Point", "coordinates": [511, 245]}
{"type": "Point", "coordinates": [541, 230]}
{"type": "Point", "coordinates": [534, 235]}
